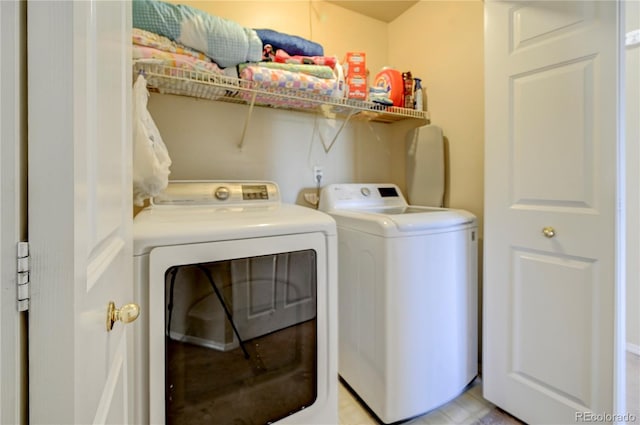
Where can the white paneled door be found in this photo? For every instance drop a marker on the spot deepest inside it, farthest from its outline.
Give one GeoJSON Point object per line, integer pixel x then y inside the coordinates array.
{"type": "Point", "coordinates": [80, 210]}
{"type": "Point", "coordinates": [552, 72]}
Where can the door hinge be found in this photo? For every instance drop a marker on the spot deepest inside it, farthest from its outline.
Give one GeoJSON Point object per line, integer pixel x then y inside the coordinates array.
{"type": "Point", "coordinates": [23, 276]}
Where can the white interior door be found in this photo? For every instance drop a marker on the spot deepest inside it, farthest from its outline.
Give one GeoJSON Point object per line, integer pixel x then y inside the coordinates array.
{"type": "Point", "coordinates": [551, 145]}
{"type": "Point", "coordinates": [80, 211]}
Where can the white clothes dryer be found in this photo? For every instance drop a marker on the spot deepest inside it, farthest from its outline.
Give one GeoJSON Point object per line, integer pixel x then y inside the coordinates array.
{"type": "Point", "coordinates": [238, 298]}
{"type": "Point", "coordinates": [407, 295]}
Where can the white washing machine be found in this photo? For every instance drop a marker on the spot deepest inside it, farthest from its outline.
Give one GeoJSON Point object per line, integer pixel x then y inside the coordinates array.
{"type": "Point", "coordinates": [407, 284]}
{"type": "Point", "coordinates": [239, 305]}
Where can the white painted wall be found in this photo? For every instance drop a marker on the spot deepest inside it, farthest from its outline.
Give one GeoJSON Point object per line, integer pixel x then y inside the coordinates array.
{"type": "Point", "coordinates": [202, 138]}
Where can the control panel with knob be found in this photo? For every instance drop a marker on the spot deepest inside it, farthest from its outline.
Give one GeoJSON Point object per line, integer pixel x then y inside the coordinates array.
{"type": "Point", "coordinates": [211, 192]}
{"type": "Point", "coordinates": [222, 193]}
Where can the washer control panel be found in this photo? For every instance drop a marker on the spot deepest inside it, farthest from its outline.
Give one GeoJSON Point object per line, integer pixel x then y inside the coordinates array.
{"type": "Point", "coordinates": [244, 193]}
{"type": "Point", "coordinates": [255, 191]}
{"type": "Point", "coordinates": [360, 195]}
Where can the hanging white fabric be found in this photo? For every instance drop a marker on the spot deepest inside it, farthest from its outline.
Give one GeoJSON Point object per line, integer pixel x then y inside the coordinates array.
{"type": "Point", "coordinates": [151, 160]}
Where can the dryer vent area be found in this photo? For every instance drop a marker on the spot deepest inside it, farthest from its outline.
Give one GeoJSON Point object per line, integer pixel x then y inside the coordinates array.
{"type": "Point", "coordinates": [240, 339]}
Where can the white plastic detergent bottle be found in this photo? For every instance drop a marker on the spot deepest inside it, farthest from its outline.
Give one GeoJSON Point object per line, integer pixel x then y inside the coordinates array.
{"type": "Point", "coordinates": [417, 93]}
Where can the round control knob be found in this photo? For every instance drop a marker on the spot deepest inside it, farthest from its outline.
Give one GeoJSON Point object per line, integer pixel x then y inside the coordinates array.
{"type": "Point", "coordinates": [365, 191]}
{"type": "Point", "coordinates": [222, 193]}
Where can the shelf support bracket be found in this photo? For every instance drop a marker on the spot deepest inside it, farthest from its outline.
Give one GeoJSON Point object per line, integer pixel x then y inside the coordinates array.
{"type": "Point", "coordinates": [335, 137]}
{"type": "Point", "coordinates": [248, 119]}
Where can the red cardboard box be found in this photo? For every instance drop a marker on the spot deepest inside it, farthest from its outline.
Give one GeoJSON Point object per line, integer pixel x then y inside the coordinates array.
{"type": "Point", "coordinates": [355, 64]}
{"type": "Point", "coordinates": [357, 87]}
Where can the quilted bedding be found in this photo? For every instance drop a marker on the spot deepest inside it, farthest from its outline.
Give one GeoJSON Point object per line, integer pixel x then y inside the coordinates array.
{"type": "Point", "coordinates": [226, 42]}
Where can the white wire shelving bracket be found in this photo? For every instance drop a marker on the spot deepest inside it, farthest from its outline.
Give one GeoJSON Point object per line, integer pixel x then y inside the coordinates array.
{"type": "Point", "coordinates": [177, 81]}
{"type": "Point", "coordinates": [252, 103]}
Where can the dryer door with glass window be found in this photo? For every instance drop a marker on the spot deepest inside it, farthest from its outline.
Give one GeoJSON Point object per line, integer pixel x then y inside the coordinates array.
{"type": "Point", "coordinates": [237, 330]}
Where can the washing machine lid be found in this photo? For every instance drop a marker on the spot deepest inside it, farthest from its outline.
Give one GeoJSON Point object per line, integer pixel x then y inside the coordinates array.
{"type": "Point", "coordinates": [381, 209]}
{"type": "Point", "coordinates": [228, 217]}
{"type": "Point", "coordinates": [403, 221]}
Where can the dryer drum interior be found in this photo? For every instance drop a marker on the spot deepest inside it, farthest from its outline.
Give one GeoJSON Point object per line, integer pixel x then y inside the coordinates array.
{"type": "Point", "coordinates": [241, 339]}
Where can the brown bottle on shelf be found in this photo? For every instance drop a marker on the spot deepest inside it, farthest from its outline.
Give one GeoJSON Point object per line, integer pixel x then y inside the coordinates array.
{"type": "Point", "coordinates": [408, 89]}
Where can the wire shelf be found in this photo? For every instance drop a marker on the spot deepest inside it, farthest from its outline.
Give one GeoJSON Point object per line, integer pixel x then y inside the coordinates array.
{"type": "Point", "coordinates": [169, 80]}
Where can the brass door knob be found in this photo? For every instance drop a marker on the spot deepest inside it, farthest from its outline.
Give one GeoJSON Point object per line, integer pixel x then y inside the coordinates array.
{"type": "Point", "coordinates": [549, 232]}
{"type": "Point", "coordinates": [127, 314]}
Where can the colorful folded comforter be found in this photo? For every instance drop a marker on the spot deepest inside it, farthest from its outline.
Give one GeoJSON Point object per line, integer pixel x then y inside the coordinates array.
{"type": "Point", "coordinates": [157, 41]}
{"type": "Point", "coordinates": [269, 79]}
{"type": "Point", "coordinates": [226, 42]}
{"type": "Point", "coordinates": [283, 57]}
{"type": "Point", "coordinates": [175, 60]}
{"type": "Point", "coordinates": [319, 71]}
{"type": "Point", "coordinates": [273, 82]}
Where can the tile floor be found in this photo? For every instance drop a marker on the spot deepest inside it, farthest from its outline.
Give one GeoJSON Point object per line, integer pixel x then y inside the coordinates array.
{"type": "Point", "coordinates": [471, 408]}
{"type": "Point", "coordinates": [468, 408]}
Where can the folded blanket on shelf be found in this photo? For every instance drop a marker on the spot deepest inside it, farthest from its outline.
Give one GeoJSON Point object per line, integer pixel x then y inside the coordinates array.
{"type": "Point", "coordinates": [175, 60]}
{"type": "Point", "coordinates": [267, 78]}
{"type": "Point", "coordinates": [226, 42]}
{"type": "Point", "coordinates": [283, 57]}
{"type": "Point", "coordinates": [291, 44]}
{"type": "Point", "coordinates": [319, 71]}
{"type": "Point", "coordinates": [157, 41]}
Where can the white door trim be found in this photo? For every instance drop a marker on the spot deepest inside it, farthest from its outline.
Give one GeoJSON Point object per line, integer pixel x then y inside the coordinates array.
{"type": "Point", "coordinates": [620, 334]}
{"type": "Point", "coordinates": [13, 396]}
